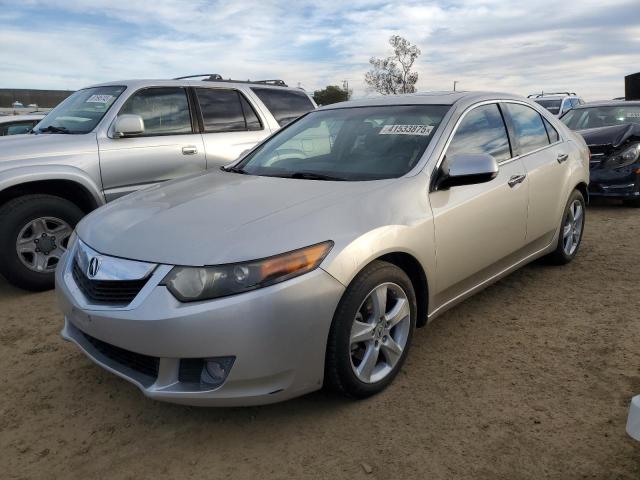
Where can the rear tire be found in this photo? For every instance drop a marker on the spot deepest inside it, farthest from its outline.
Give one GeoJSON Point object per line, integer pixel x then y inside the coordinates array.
{"type": "Point", "coordinates": [34, 235]}
{"type": "Point", "coordinates": [371, 331]}
{"type": "Point", "coordinates": [571, 231]}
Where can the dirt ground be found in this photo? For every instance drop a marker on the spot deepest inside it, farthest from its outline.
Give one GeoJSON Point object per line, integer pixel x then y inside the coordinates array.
{"type": "Point", "coordinates": [530, 379]}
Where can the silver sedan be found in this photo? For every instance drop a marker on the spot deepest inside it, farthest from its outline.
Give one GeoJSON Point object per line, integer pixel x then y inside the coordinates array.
{"type": "Point", "coordinates": [311, 260]}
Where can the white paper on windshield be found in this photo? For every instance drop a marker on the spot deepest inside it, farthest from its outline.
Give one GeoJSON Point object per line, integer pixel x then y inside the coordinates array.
{"type": "Point", "coordinates": [633, 115]}
{"type": "Point", "coordinates": [99, 99]}
{"type": "Point", "coordinates": [424, 130]}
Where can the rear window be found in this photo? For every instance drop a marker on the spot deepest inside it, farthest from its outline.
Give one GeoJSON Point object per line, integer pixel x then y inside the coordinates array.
{"type": "Point", "coordinates": [552, 105]}
{"type": "Point", "coordinates": [285, 105]}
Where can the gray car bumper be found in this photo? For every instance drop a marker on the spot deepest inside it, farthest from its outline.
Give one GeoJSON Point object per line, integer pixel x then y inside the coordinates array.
{"type": "Point", "coordinates": [277, 335]}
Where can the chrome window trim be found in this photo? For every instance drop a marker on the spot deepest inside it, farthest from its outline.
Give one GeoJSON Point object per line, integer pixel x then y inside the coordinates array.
{"type": "Point", "coordinates": [159, 272]}
{"type": "Point", "coordinates": [490, 102]}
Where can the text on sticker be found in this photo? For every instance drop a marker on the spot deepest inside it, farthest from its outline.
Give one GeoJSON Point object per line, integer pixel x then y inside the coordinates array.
{"type": "Point", "coordinates": [406, 130]}
{"type": "Point", "coordinates": [633, 115]}
{"type": "Point", "coordinates": [99, 99]}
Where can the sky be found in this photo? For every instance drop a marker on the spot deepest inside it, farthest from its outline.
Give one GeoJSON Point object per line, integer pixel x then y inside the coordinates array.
{"type": "Point", "coordinates": [509, 46]}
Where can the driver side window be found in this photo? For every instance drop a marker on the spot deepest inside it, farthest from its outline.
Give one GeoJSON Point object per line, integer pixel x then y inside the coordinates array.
{"type": "Point", "coordinates": [482, 130]}
{"type": "Point", "coordinates": [164, 110]}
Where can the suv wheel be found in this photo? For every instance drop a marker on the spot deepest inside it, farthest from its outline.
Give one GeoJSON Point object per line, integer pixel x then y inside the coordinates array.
{"type": "Point", "coordinates": [571, 230]}
{"type": "Point", "coordinates": [34, 235]}
{"type": "Point", "coordinates": [371, 331]}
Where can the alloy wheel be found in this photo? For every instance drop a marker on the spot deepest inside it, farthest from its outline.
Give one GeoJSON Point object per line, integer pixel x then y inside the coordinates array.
{"type": "Point", "coordinates": [380, 332]}
{"type": "Point", "coordinates": [572, 231]}
{"type": "Point", "coordinates": [42, 242]}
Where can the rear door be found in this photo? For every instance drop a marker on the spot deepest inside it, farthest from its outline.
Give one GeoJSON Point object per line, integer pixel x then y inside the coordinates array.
{"type": "Point", "coordinates": [230, 124]}
{"type": "Point", "coordinates": [169, 147]}
{"type": "Point", "coordinates": [479, 228]}
{"type": "Point", "coordinates": [544, 155]}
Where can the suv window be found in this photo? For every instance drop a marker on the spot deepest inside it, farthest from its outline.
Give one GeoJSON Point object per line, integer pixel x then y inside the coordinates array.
{"type": "Point", "coordinates": [529, 129]}
{"type": "Point", "coordinates": [285, 105]}
{"type": "Point", "coordinates": [165, 110]}
{"type": "Point", "coordinates": [482, 131]}
{"type": "Point", "coordinates": [226, 110]}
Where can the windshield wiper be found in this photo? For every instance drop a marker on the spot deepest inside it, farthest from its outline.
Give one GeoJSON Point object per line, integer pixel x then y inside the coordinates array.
{"type": "Point", "coordinates": [316, 176]}
{"type": "Point", "coordinates": [53, 129]}
{"type": "Point", "coordinates": [234, 170]}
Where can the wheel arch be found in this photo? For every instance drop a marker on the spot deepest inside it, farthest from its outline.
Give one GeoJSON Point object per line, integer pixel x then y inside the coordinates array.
{"type": "Point", "coordinates": [583, 188]}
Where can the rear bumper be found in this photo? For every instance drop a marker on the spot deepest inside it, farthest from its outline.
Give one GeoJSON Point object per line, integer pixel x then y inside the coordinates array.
{"type": "Point", "coordinates": [277, 336]}
{"type": "Point", "coordinates": [633, 421]}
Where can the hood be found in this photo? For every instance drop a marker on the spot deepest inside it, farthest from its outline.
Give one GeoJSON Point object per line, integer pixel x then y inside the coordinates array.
{"type": "Point", "coordinates": [221, 217]}
{"type": "Point", "coordinates": [611, 137]}
{"type": "Point", "coordinates": [43, 147]}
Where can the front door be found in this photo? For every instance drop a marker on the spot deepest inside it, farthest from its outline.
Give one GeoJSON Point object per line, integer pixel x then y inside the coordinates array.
{"type": "Point", "coordinates": [167, 149]}
{"type": "Point", "coordinates": [479, 228]}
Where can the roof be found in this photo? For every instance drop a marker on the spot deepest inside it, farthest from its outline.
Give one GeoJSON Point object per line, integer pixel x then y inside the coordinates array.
{"type": "Point", "coordinates": [424, 98]}
{"type": "Point", "coordinates": [141, 83]}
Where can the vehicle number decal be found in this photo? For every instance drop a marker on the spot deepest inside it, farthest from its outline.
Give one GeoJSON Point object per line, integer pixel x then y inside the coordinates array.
{"type": "Point", "coordinates": [633, 115]}
{"type": "Point", "coordinates": [424, 130]}
{"type": "Point", "coordinates": [99, 99]}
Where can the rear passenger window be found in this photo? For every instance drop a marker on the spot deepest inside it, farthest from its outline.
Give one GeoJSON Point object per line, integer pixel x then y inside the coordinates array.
{"type": "Point", "coordinates": [551, 131]}
{"type": "Point", "coordinates": [284, 105]}
{"type": "Point", "coordinates": [221, 110]}
{"type": "Point", "coordinates": [529, 129]}
{"type": "Point", "coordinates": [164, 110]}
{"type": "Point", "coordinates": [482, 130]}
{"type": "Point", "coordinates": [253, 122]}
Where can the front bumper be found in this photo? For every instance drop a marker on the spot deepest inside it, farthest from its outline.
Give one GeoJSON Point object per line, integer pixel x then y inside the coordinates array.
{"type": "Point", "coordinates": [633, 420]}
{"type": "Point", "coordinates": [277, 335]}
{"type": "Point", "coordinates": [620, 183]}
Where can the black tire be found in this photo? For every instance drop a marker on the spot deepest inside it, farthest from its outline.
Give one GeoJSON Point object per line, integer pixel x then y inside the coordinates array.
{"type": "Point", "coordinates": [339, 373]}
{"type": "Point", "coordinates": [14, 216]}
{"type": "Point", "coordinates": [632, 202]}
{"type": "Point", "coordinates": [559, 256]}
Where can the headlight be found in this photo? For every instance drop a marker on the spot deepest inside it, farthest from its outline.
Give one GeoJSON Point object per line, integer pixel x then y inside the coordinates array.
{"type": "Point", "coordinates": [190, 284]}
{"type": "Point", "coordinates": [628, 156]}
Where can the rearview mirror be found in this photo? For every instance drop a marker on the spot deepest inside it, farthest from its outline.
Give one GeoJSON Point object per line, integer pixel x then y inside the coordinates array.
{"type": "Point", "coordinates": [128, 124]}
{"type": "Point", "coordinates": [466, 169]}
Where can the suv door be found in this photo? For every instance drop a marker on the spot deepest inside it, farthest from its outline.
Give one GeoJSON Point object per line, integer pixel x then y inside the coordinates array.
{"type": "Point", "coordinates": [544, 155]}
{"type": "Point", "coordinates": [230, 124]}
{"type": "Point", "coordinates": [479, 228]}
{"type": "Point", "coordinates": [168, 148]}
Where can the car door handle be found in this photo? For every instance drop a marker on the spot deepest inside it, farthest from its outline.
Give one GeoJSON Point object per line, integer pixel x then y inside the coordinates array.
{"type": "Point", "coordinates": [516, 179]}
{"type": "Point", "coordinates": [562, 157]}
{"type": "Point", "coordinates": [191, 150]}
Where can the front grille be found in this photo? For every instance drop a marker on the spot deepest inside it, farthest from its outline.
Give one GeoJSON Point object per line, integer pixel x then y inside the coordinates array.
{"type": "Point", "coordinates": [111, 292]}
{"type": "Point", "coordinates": [142, 364]}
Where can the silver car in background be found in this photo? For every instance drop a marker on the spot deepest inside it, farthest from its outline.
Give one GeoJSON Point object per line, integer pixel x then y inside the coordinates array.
{"type": "Point", "coordinates": [311, 260]}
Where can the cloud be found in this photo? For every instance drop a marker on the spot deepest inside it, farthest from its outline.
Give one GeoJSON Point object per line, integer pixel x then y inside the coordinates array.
{"type": "Point", "coordinates": [486, 44]}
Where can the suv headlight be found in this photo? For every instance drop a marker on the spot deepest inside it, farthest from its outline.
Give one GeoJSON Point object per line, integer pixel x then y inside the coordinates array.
{"type": "Point", "coordinates": [627, 157]}
{"type": "Point", "coordinates": [190, 284]}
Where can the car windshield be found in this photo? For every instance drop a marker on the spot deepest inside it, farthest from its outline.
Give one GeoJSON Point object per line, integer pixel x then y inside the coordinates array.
{"type": "Point", "coordinates": [604, 116]}
{"type": "Point", "coordinates": [552, 105]}
{"type": "Point", "coordinates": [359, 143]}
{"type": "Point", "coordinates": [81, 112]}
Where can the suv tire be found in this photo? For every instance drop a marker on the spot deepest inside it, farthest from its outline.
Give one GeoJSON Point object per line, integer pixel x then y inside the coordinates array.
{"type": "Point", "coordinates": [42, 224]}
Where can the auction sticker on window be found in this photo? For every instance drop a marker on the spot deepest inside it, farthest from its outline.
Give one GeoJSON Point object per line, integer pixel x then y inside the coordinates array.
{"type": "Point", "coordinates": [406, 130]}
{"type": "Point", "coordinates": [633, 115]}
{"type": "Point", "coordinates": [99, 99]}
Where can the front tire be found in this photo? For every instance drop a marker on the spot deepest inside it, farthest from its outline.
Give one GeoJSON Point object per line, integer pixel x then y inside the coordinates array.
{"type": "Point", "coordinates": [571, 230]}
{"type": "Point", "coordinates": [34, 235]}
{"type": "Point", "coordinates": [371, 331]}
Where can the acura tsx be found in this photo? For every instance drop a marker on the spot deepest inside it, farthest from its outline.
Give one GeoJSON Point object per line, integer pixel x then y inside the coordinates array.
{"type": "Point", "coordinates": [311, 260]}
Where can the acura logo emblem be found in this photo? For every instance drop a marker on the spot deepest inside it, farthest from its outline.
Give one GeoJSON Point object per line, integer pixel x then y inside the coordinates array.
{"type": "Point", "coordinates": [94, 266]}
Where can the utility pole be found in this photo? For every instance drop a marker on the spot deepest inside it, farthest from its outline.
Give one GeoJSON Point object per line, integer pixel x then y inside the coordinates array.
{"type": "Point", "coordinates": [345, 87]}
{"type": "Point", "coordinates": [454, 85]}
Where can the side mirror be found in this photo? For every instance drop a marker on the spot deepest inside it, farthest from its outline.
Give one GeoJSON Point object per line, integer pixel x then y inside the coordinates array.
{"type": "Point", "coordinates": [128, 124]}
{"type": "Point", "coordinates": [466, 169]}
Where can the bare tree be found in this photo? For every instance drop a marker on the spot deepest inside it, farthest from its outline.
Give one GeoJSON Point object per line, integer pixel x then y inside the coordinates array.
{"type": "Point", "coordinates": [393, 75]}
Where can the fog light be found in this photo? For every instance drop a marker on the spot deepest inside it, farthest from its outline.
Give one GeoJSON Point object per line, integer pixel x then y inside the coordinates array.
{"type": "Point", "coordinates": [216, 370]}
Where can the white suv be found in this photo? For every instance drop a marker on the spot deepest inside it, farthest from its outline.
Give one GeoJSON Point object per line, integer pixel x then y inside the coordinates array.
{"type": "Point", "coordinates": [109, 140]}
{"type": "Point", "coordinates": [557, 103]}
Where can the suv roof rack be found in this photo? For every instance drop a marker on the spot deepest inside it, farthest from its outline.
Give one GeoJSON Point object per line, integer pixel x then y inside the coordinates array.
{"type": "Point", "coordinates": [542, 94]}
{"type": "Point", "coordinates": [215, 77]}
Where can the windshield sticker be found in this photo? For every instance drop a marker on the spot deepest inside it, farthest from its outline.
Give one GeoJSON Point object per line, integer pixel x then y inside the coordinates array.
{"type": "Point", "coordinates": [633, 115]}
{"type": "Point", "coordinates": [424, 130]}
{"type": "Point", "coordinates": [99, 99]}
